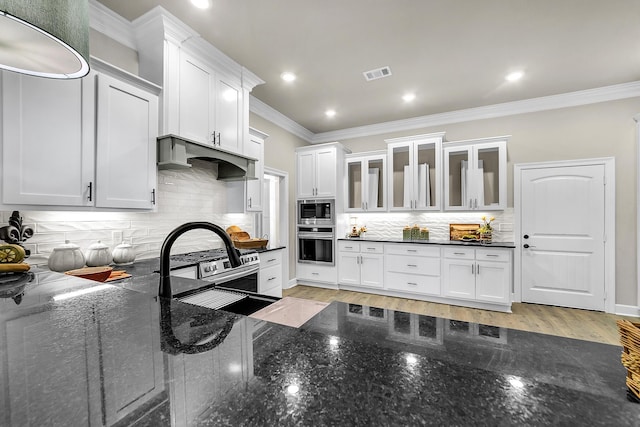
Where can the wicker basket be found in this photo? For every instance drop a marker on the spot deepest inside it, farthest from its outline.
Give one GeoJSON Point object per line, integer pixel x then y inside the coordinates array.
{"type": "Point", "coordinates": [630, 358]}
{"type": "Point", "coordinates": [250, 244]}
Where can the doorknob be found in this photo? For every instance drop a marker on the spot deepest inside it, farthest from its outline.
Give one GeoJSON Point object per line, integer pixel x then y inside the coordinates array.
{"type": "Point", "coordinates": [526, 236]}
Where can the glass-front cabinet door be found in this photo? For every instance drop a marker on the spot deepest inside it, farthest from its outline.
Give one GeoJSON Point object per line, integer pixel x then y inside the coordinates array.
{"type": "Point", "coordinates": [366, 183]}
{"type": "Point", "coordinates": [475, 174]}
{"type": "Point", "coordinates": [414, 172]}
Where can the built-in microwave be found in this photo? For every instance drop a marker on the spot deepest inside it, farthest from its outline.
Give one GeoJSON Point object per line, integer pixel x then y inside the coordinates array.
{"type": "Point", "coordinates": [316, 212]}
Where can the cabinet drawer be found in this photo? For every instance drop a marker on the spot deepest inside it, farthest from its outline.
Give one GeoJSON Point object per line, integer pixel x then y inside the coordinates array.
{"type": "Point", "coordinates": [270, 277]}
{"type": "Point", "coordinates": [348, 246]}
{"type": "Point", "coordinates": [492, 255]}
{"type": "Point", "coordinates": [413, 265]}
{"type": "Point", "coordinates": [413, 249]}
{"type": "Point", "coordinates": [267, 259]}
{"type": "Point", "coordinates": [317, 273]}
{"type": "Point", "coordinates": [429, 285]}
{"type": "Point", "coordinates": [459, 253]}
{"type": "Point", "coordinates": [371, 248]}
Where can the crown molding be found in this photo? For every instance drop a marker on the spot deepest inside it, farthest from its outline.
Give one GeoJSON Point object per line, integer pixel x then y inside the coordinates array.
{"type": "Point", "coordinates": [274, 116]}
{"type": "Point", "coordinates": [552, 102]}
{"type": "Point", "coordinates": [112, 25]}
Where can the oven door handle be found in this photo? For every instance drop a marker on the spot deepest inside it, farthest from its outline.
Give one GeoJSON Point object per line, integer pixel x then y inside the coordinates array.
{"type": "Point", "coordinates": [318, 236]}
{"type": "Point", "coordinates": [235, 275]}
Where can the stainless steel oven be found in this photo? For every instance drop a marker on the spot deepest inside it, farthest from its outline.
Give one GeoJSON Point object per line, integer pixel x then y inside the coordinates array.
{"type": "Point", "coordinates": [316, 212]}
{"type": "Point", "coordinates": [316, 245]}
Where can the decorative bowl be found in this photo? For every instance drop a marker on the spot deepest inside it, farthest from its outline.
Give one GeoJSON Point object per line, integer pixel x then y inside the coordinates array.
{"type": "Point", "coordinates": [98, 274]}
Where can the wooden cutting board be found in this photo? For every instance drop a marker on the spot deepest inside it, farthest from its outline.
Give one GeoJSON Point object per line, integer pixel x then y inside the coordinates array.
{"type": "Point", "coordinates": [117, 275]}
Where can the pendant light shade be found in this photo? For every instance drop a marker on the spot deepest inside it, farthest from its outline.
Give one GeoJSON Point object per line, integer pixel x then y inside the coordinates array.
{"type": "Point", "coordinates": [45, 38]}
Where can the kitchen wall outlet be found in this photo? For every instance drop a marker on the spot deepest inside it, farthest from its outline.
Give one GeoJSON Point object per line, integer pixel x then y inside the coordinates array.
{"type": "Point", "coordinates": [116, 236]}
{"type": "Point", "coordinates": [505, 226]}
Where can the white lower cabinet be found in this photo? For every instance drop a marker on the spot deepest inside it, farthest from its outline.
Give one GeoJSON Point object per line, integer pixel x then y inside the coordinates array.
{"type": "Point", "coordinates": [477, 277]}
{"type": "Point", "coordinates": [477, 274]}
{"type": "Point", "coordinates": [361, 263]}
{"type": "Point", "coordinates": [412, 268]}
{"type": "Point", "coordinates": [271, 274]}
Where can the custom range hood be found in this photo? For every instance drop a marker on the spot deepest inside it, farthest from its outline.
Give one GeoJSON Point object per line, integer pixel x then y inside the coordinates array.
{"type": "Point", "coordinates": [175, 151]}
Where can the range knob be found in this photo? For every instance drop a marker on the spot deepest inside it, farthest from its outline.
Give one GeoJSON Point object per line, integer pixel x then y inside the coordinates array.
{"type": "Point", "coordinates": [208, 269]}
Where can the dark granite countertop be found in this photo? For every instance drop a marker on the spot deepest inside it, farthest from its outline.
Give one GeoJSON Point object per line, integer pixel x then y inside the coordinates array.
{"type": "Point", "coordinates": [270, 248]}
{"type": "Point", "coordinates": [75, 352]}
{"type": "Point", "coordinates": [436, 242]}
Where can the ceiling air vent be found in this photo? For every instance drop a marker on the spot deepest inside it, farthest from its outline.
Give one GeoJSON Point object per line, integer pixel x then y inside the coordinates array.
{"type": "Point", "coordinates": [378, 73]}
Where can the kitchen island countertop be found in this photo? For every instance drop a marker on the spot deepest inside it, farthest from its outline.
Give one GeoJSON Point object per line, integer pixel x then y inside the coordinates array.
{"type": "Point", "coordinates": [76, 352]}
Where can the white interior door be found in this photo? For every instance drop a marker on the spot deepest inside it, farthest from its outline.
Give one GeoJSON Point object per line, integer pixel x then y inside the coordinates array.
{"type": "Point", "coordinates": [563, 236]}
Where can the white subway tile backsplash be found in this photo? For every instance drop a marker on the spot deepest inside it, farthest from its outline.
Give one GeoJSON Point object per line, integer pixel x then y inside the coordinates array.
{"type": "Point", "coordinates": [183, 196]}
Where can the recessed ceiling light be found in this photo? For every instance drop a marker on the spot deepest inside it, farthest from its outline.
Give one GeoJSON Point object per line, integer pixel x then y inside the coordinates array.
{"type": "Point", "coordinates": [515, 76]}
{"type": "Point", "coordinates": [201, 4]}
{"type": "Point", "coordinates": [287, 76]}
{"type": "Point", "coordinates": [408, 97]}
{"type": "Point", "coordinates": [330, 113]}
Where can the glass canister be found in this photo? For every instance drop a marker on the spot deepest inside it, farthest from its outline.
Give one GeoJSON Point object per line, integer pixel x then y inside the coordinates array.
{"type": "Point", "coordinates": [415, 232]}
{"type": "Point", "coordinates": [424, 234]}
{"type": "Point", "coordinates": [406, 233]}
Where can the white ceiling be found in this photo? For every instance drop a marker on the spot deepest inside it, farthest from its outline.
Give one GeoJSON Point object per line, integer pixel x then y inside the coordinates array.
{"type": "Point", "coordinates": [453, 54]}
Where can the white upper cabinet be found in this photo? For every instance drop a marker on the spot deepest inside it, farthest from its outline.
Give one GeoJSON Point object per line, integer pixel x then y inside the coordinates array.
{"type": "Point", "coordinates": [208, 105]}
{"type": "Point", "coordinates": [205, 96]}
{"type": "Point", "coordinates": [319, 169]}
{"type": "Point", "coordinates": [255, 149]}
{"type": "Point", "coordinates": [65, 146]}
{"type": "Point", "coordinates": [475, 174]}
{"type": "Point", "coordinates": [414, 172]}
{"type": "Point", "coordinates": [47, 140]}
{"type": "Point", "coordinates": [127, 128]}
{"type": "Point", "coordinates": [366, 186]}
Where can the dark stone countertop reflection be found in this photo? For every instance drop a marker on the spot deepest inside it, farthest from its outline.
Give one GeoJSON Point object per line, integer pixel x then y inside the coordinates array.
{"type": "Point", "coordinates": [75, 352]}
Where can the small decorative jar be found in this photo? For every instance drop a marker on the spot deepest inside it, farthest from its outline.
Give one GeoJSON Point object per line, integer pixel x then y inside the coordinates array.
{"type": "Point", "coordinates": [424, 234]}
{"type": "Point", "coordinates": [65, 257]}
{"type": "Point", "coordinates": [406, 233]}
{"type": "Point", "coordinates": [415, 232]}
{"type": "Point", "coordinates": [98, 254]}
{"type": "Point", "coordinates": [124, 254]}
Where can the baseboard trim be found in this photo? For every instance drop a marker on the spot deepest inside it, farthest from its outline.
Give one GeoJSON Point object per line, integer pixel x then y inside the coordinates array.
{"type": "Point", "coordinates": [627, 310]}
{"type": "Point", "coordinates": [291, 283]}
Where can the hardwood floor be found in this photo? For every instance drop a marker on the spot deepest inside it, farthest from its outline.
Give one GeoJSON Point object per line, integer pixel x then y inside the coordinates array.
{"type": "Point", "coordinates": [567, 322]}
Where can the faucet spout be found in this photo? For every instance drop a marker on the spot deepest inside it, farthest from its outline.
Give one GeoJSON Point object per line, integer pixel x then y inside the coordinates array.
{"type": "Point", "coordinates": [164, 289]}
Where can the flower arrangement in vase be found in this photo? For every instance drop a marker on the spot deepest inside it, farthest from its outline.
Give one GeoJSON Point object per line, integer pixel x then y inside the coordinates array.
{"type": "Point", "coordinates": [486, 230]}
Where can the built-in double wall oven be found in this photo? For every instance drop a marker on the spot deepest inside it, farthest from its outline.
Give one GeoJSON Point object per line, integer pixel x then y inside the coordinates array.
{"type": "Point", "coordinates": [316, 231]}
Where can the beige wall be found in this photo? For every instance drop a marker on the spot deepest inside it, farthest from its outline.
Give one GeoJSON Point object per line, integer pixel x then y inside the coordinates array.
{"type": "Point", "coordinates": [598, 130]}
{"type": "Point", "coordinates": [279, 153]}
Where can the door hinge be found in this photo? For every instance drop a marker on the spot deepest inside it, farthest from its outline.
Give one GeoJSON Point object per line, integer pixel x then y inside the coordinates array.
{"type": "Point", "coordinates": [604, 180]}
{"type": "Point", "coordinates": [604, 238]}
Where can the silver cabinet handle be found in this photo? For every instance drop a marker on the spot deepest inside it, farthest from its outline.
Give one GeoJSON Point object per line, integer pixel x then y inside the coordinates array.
{"type": "Point", "coordinates": [371, 249]}
{"type": "Point", "coordinates": [153, 196]}
{"type": "Point", "coordinates": [491, 255]}
{"type": "Point", "coordinates": [219, 138]}
{"type": "Point", "coordinates": [366, 205]}
{"type": "Point", "coordinates": [478, 269]}
{"type": "Point", "coordinates": [470, 203]}
{"type": "Point", "coordinates": [412, 250]}
{"type": "Point", "coordinates": [249, 201]}
{"type": "Point", "coordinates": [348, 247]}
{"type": "Point", "coordinates": [476, 203]}
{"type": "Point", "coordinates": [473, 269]}
{"type": "Point", "coordinates": [271, 260]}
{"type": "Point", "coordinates": [315, 274]}
{"type": "Point", "coordinates": [458, 253]}
{"type": "Point", "coordinates": [411, 265]}
{"type": "Point", "coordinates": [90, 186]}
{"type": "Point", "coordinates": [270, 279]}
{"type": "Point", "coordinates": [412, 283]}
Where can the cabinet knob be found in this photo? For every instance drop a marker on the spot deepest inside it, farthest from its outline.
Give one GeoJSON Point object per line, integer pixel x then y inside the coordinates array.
{"type": "Point", "coordinates": [526, 236]}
